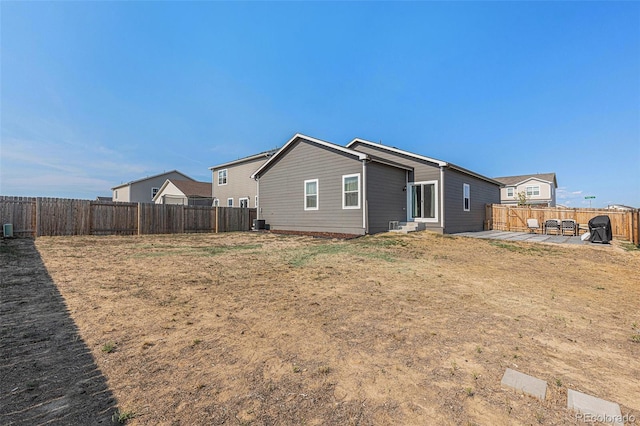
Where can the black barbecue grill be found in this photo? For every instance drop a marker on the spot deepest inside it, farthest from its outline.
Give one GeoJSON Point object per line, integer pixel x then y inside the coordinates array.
{"type": "Point", "coordinates": [600, 229]}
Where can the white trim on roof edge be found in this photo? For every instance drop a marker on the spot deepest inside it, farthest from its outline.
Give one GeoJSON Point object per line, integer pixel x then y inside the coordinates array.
{"type": "Point", "coordinates": [244, 159]}
{"type": "Point", "coordinates": [164, 185]}
{"type": "Point", "coordinates": [422, 157]}
{"type": "Point", "coordinates": [531, 178]}
{"type": "Point", "coordinates": [398, 151]}
{"type": "Point", "coordinates": [360, 155]}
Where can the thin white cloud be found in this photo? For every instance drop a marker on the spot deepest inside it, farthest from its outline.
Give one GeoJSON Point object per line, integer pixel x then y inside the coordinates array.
{"type": "Point", "coordinates": [31, 166]}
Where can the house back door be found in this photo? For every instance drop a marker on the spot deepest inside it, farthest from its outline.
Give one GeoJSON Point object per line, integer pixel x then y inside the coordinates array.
{"type": "Point", "coordinates": [423, 201]}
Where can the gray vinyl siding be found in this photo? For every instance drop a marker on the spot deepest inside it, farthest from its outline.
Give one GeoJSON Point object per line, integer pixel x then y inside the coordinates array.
{"type": "Point", "coordinates": [282, 190]}
{"type": "Point", "coordinates": [239, 182]}
{"type": "Point", "coordinates": [481, 194]}
{"type": "Point", "coordinates": [422, 171]}
{"type": "Point", "coordinates": [387, 198]}
{"type": "Point", "coordinates": [140, 192]}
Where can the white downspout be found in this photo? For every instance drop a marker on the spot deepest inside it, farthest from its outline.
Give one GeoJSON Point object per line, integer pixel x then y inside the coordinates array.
{"type": "Point", "coordinates": [258, 195]}
{"type": "Point", "coordinates": [407, 201]}
{"type": "Point", "coordinates": [441, 196]}
{"type": "Point", "coordinates": [364, 197]}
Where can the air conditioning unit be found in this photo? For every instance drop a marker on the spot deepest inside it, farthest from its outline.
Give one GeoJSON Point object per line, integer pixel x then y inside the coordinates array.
{"type": "Point", "coordinates": [259, 224]}
{"type": "Point", "coordinates": [394, 225]}
{"type": "Point", "coordinates": [7, 230]}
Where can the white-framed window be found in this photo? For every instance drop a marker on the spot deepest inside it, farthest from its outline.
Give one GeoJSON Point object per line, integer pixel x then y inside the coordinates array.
{"type": "Point", "coordinates": [351, 191]}
{"type": "Point", "coordinates": [222, 177]}
{"type": "Point", "coordinates": [216, 202]}
{"type": "Point", "coordinates": [466, 197]}
{"type": "Point", "coordinates": [229, 202]}
{"type": "Point", "coordinates": [256, 205]}
{"type": "Point", "coordinates": [509, 192]}
{"type": "Point", "coordinates": [311, 201]}
{"type": "Point", "coordinates": [154, 191]}
{"type": "Point", "coordinates": [116, 195]}
{"type": "Point", "coordinates": [533, 190]}
{"type": "Point", "coordinates": [244, 202]}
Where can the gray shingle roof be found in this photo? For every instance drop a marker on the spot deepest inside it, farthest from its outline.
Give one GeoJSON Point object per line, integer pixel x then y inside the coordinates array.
{"type": "Point", "coordinates": [193, 188]}
{"type": "Point", "coordinates": [514, 180]}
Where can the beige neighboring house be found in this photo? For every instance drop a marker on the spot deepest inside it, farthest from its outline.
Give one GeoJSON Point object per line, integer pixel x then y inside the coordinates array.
{"type": "Point", "coordinates": [232, 182]}
{"type": "Point", "coordinates": [539, 189]}
{"type": "Point", "coordinates": [184, 192]}
{"type": "Point", "coordinates": [143, 190]}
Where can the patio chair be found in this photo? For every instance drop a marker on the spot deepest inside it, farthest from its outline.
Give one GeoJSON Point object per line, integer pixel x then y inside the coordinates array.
{"type": "Point", "coordinates": [569, 227]}
{"type": "Point", "coordinates": [552, 226]}
{"type": "Point", "coordinates": [533, 225]}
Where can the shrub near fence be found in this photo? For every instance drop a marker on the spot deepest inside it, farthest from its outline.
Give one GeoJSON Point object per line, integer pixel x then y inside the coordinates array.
{"type": "Point", "coordinates": [58, 216]}
{"type": "Point", "coordinates": [624, 223]}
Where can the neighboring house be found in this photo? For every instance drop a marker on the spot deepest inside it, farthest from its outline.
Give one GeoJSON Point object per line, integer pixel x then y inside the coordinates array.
{"type": "Point", "coordinates": [619, 207]}
{"type": "Point", "coordinates": [232, 183]}
{"type": "Point", "coordinates": [539, 189]}
{"type": "Point", "coordinates": [143, 190]}
{"type": "Point", "coordinates": [185, 192]}
{"type": "Point", "coordinates": [311, 185]}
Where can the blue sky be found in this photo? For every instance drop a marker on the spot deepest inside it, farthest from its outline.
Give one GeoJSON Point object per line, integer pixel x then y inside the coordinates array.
{"type": "Point", "coordinates": [94, 94]}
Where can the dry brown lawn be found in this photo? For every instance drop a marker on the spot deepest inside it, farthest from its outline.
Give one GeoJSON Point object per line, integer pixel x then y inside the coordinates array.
{"type": "Point", "coordinates": [262, 329]}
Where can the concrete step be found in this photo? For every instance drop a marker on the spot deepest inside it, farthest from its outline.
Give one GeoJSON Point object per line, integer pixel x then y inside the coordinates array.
{"type": "Point", "coordinates": [406, 227]}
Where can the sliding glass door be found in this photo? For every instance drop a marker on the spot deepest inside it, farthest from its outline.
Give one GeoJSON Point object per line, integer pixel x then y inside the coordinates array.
{"type": "Point", "coordinates": [423, 201]}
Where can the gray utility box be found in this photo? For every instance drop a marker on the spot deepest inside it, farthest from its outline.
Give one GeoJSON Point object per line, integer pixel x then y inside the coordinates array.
{"type": "Point", "coordinates": [7, 230]}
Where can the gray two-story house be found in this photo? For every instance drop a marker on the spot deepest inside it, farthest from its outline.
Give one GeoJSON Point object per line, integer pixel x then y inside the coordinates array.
{"type": "Point", "coordinates": [232, 184]}
{"type": "Point", "coordinates": [310, 185]}
{"type": "Point", "coordinates": [145, 189]}
{"type": "Point", "coordinates": [535, 189]}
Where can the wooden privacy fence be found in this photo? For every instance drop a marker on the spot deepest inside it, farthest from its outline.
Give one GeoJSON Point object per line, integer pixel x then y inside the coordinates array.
{"type": "Point", "coordinates": [624, 223]}
{"type": "Point", "coordinates": [57, 216]}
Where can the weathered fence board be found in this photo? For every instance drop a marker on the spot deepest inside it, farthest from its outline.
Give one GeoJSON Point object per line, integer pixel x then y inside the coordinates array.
{"type": "Point", "coordinates": [514, 218]}
{"type": "Point", "coordinates": [234, 219]}
{"type": "Point", "coordinates": [199, 219]}
{"type": "Point", "coordinates": [56, 216]}
{"type": "Point", "coordinates": [19, 211]}
{"type": "Point", "coordinates": [114, 218]}
{"type": "Point", "coordinates": [160, 219]}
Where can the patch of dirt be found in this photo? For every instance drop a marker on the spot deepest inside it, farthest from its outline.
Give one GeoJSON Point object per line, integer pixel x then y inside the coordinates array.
{"type": "Point", "coordinates": [47, 373]}
{"type": "Point", "coordinates": [261, 329]}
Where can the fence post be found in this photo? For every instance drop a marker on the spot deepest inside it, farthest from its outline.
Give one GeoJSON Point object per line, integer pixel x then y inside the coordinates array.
{"type": "Point", "coordinates": [38, 212]}
{"type": "Point", "coordinates": [635, 218]}
{"type": "Point", "coordinates": [139, 218]}
{"type": "Point", "coordinates": [216, 226]}
{"type": "Point", "coordinates": [182, 226]}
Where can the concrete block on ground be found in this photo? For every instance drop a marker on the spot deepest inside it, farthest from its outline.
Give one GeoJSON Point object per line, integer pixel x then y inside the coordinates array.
{"type": "Point", "coordinates": [592, 409]}
{"type": "Point", "coordinates": [524, 383]}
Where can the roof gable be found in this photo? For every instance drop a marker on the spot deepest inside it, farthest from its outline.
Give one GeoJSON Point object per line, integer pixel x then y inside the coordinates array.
{"type": "Point", "coordinates": [188, 188]}
{"type": "Point", "coordinates": [396, 150]}
{"type": "Point", "coordinates": [439, 163]}
{"type": "Point", "coordinates": [300, 137]}
{"type": "Point", "coordinates": [520, 179]}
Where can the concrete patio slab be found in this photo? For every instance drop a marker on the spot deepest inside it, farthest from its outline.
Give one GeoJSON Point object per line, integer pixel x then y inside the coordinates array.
{"type": "Point", "coordinates": [525, 237]}
{"type": "Point", "coordinates": [520, 237]}
{"type": "Point", "coordinates": [592, 409]}
{"type": "Point", "coordinates": [524, 383]}
{"type": "Point", "coordinates": [539, 238]}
